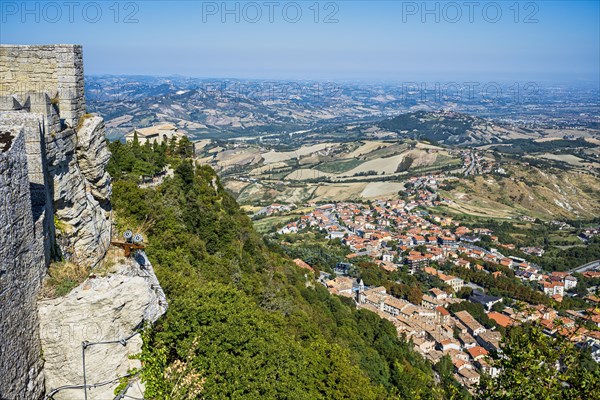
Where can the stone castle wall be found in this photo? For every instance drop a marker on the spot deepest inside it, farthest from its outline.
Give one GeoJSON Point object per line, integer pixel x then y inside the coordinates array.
{"type": "Point", "coordinates": [56, 70]}
{"type": "Point", "coordinates": [40, 186]}
{"type": "Point", "coordinates": [22, 267]}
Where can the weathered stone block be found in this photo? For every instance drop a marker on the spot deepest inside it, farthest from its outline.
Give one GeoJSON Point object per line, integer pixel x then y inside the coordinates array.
{"type": "Point", "coordinates": [43, 69]}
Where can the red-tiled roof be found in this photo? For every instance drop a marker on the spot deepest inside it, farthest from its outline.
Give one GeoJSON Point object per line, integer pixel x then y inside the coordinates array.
{"type": "Point", "coordinates": [442, 311]}
{"type": "Point", "coordinates": [500, 319]}
{"type": "Point", "coordinates": [477, 351]}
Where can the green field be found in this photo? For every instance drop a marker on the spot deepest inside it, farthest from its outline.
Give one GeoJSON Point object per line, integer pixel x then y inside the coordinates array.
{"type": "Point", "coordinates": [267, 224]}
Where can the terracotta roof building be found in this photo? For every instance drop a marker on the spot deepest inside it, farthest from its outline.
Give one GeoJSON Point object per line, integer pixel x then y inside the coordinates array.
{"type": "Point", "coordinates": [501, 319]}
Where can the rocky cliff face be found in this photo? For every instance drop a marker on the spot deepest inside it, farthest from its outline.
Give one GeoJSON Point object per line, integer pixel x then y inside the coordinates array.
{"type": "Point", "coordinates": [107, 307]}
{"type": "Point", "coordinates": [93, 156]}
{"type": "Point", "coordinates": [54, 202]}
{"type": "Point", "coordinates": [76, 162]}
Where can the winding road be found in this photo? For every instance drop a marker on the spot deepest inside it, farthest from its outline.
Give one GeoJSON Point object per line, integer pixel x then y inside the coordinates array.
{"type": "Point", "coordinates": [586, 267]}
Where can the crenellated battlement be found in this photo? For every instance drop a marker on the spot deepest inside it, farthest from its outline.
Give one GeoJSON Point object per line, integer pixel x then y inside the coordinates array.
{"type": "Point", "coordinates": [52, 70]}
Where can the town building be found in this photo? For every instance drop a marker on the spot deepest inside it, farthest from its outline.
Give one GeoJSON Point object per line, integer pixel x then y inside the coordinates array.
{"type": "Point", "coordinates": [485, 300]}
{"type": "Point", "coordinates": [474, 327]}
{"type": "Point", "coordinates": [156, 133]}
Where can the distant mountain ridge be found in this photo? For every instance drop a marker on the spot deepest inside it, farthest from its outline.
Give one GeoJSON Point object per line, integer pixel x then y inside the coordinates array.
{"type": "Point", "coordinates": [237, 107]}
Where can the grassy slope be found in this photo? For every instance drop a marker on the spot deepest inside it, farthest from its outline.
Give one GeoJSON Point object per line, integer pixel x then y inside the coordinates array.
{"type": "Point", "coordinates": [532, 191]}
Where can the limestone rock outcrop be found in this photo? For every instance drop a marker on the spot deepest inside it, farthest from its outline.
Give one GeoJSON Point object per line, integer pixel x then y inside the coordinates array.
{"type": "Point", "coordinates": [93, 156]}
{"type": "Point", "coordinates": [77, 164]}
{"type": "Point", "coordinates": [102, 309]}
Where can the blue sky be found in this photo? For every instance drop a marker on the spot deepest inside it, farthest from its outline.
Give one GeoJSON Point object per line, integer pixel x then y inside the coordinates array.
{"type": "Point", "coordinates": [346, 40]}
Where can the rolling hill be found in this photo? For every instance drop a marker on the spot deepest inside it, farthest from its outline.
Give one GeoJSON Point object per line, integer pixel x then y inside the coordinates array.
{"type": "Point", "coordinates": [528, 190]}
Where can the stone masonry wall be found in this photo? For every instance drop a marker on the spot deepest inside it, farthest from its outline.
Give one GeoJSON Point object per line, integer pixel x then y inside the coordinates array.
{"type": "Point", "coordinates": [53, 69]}
{"type": "Point", "coordinates": [22, 267]}
{"type": "Point", "coordinates": [37, 167]}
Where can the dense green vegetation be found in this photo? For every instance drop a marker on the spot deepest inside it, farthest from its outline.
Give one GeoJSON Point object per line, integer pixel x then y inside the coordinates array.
{"type": "Point", "coordinates": [536, 366]}
{"type": "Point", "coordinates": [243, 321]}
{"type": "Point", "coordinates": [556, 259]}
{"type": "Point", "coordinates": [313, 248]}
{"type": "Point", "coordinates": [528, 146]}
{"type": "Point", "coordinates": [405, 164]}
{"type": "Point", "coordinates": [133, 160]}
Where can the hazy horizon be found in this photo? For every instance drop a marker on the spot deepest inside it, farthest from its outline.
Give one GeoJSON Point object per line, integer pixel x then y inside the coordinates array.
{"type": "Point", "coordinates": [342, 41]}
{"type": "Point", "coordinates": [366, 81]}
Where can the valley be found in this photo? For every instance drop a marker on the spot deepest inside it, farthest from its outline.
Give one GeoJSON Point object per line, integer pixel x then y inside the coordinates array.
{"type": "Point", "coordinates": [505, 181]}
